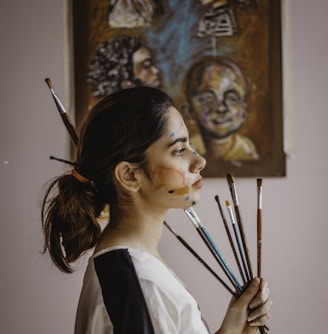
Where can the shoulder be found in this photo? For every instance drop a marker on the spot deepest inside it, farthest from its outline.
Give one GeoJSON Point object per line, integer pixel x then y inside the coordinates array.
{"type": "Point", "coordinates": [172, 308]}
{"type": "Point", "coordinates": [139, 281]}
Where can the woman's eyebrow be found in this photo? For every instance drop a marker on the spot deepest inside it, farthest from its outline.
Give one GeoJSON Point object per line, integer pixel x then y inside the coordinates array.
{"type": "Point", "coordinates": [178, 140]}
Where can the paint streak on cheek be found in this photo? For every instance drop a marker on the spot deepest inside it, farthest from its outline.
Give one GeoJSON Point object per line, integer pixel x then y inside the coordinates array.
{"type": "Point", "coordinates": [180, 191]}
{"type": "Point", "coordinates": [172, 179]}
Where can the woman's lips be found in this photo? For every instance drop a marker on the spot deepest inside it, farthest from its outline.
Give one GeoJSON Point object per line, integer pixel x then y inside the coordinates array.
{"type": "Point", "coordinates": [197, 184]}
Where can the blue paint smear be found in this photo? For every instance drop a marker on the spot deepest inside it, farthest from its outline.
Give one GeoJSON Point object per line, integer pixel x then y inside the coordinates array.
{"type": "Point", "coordinates": [174, 43]}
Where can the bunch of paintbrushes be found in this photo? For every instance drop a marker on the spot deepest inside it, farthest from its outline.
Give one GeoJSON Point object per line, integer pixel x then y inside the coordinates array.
{"type": "Point", "coordinates": [239, 241]}
{"type": "Point", "coordinates": [242, 260]}
{"type": "Point", "coordinates": [241, 256]}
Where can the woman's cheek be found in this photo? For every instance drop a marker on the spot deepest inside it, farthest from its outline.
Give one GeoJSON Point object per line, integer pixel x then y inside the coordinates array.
{"type": "Point", "coordinates": [170, 178]}
{"type": "Point", "coordinates": [172, 181]}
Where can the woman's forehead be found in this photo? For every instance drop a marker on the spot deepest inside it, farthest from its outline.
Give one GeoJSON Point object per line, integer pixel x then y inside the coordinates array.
{"type": "Point", "coordinates": [175, 124]}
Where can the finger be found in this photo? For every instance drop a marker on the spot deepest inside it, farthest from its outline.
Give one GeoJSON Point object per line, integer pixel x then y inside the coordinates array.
{"type": "Point", "coordinates": [261, 321]}
{"type": "Point", "coordinates": [261, 297]}
{"type": "Point", "coordinates": [249, 294]}
{"type": "Point", "coordinates": [264, 287]}
{"type": "Point", "coordinates": [260, 312]}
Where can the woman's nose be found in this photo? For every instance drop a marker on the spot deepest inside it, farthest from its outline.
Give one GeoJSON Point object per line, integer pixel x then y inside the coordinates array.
{"type": "Point", "coordinates": [198, 163]}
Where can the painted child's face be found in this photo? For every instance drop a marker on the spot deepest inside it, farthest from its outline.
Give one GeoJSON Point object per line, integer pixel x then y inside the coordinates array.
{"type": "Point", "coordinates": [144, 69]}
{"type": "Point", "coordinates": [220, 104]}
{"type": "Point", "coordinates": [174, 167]}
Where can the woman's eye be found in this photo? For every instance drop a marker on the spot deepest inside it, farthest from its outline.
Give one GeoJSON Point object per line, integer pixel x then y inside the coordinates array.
{"type": "Point", "coordinates": [179, 152]}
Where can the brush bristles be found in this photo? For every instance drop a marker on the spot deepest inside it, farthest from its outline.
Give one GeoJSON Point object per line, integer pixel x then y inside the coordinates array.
{"type": "Point", "coordinates": [227, 203]}
{"type": "Point", "coordinates": [48, 81]}
{"type": "Point", "coordinates": [230, 179]}
{"type": "Point", "coordinates": [170, 228]}
{"type": "Point", "coordinates": [259, 182]}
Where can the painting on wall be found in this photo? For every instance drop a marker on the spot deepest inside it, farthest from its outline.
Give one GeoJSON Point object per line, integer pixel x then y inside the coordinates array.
{"type": "Point", "coordinates": [219, 60]}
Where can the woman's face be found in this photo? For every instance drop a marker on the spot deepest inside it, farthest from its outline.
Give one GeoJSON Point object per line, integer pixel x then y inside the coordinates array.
{"type": "Point", "coordinates": [144, 69]}
{"type": "Point", "coordinates": [175, 179]}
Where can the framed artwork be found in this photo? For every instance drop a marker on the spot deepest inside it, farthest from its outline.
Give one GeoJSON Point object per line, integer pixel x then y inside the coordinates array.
{"type": "Point", "coordinates": [219, 60]}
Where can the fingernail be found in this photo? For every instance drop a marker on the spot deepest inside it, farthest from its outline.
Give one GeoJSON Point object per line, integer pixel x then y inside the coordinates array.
{"type": "Point", "coordinates": [256, 281]}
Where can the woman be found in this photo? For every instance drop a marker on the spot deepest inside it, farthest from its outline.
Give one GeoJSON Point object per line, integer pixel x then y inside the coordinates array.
{"type": "Point", "coordinates": [134, 155]}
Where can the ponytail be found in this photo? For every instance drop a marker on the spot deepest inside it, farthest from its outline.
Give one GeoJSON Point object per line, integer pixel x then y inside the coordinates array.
{"type": "Point", "coordinates": [69, 220]}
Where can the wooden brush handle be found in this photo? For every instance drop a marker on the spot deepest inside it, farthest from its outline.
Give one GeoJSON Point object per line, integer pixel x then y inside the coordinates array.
{"type": "Point", "coordinates": [243, 240]}
{"type": "Point", "coordinates": [259, 242]}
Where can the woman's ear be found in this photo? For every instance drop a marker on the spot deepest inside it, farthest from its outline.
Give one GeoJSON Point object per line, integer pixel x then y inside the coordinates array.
{"type": "Point", "coordinates": [128, 175]}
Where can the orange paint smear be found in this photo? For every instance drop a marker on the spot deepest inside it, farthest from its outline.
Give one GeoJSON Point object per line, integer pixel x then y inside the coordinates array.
{"type": "Point", "coordinates": [161, 173]}
{"type": "Point", "coordinates": [182, 191]}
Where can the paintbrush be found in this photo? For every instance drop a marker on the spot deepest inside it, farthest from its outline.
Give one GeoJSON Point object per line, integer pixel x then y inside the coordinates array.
{"type": "Point", "coordinates": [233, 222]}
{"type": "Point", "coordinates": [62, 160]}
{"type": "Point", "coordinates": [234, 196]}
{"type": "Point", "coordinates": [191, 214]}
{"type": "Point", "coordinates": [198, 257]}
{"type": "Point", "coordinates": [259, 227]}
{"type": "Point", "coordinates": [230, 239]}
{"type": "Point", "coordinates": [259, 233]}
{"type": "Point", "coordinates": [63, 113]}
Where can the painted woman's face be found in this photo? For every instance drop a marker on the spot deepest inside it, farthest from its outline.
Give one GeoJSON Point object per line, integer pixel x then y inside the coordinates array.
{"type": "Point", "coordinates": [175, 179]}
{"type": "Point", "coordinates": [144, 69]}
{"type": "Point", "coordinates": [220, 104]}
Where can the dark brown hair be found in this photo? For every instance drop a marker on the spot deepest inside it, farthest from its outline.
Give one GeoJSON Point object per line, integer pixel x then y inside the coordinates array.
{"type": "Point", "coordinates": [121, 127]}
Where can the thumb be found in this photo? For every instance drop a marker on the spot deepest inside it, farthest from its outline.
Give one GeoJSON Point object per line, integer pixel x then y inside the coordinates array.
{"type": "Point", "coordinates": [247, 296]}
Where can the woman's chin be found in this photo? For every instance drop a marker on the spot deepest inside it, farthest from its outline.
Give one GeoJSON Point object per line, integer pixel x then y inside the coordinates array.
{"type": "Point", "coordinates": [191, 202]}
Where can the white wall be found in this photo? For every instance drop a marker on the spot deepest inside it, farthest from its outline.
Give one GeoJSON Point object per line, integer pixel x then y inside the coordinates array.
{"type": "Point", "coordinates": [36, 298]}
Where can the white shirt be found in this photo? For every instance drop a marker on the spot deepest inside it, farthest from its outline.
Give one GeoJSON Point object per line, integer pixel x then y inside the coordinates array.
{"type": "Point", "coordinates": [157, 295]}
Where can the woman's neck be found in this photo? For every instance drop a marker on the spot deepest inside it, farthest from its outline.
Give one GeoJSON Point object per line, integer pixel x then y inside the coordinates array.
{"type": "Point", "coordinates": [133, 229]}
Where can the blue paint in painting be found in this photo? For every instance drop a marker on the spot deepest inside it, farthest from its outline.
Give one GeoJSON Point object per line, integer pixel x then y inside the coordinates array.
{"type": "Point", "coordinates": [171, 134]}
{"type": "Point", "coordinates": [174, 43]}
{"type": "Point", "coordinates": [187, 197]}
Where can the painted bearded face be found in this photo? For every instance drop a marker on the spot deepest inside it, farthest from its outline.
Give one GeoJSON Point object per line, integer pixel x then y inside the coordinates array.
{"type": "Point", "coordinates": [220, 103]}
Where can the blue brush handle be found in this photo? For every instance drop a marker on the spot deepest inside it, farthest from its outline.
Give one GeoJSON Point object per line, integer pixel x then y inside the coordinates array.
{"type": "Point", "coordinates": [218, 253]}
